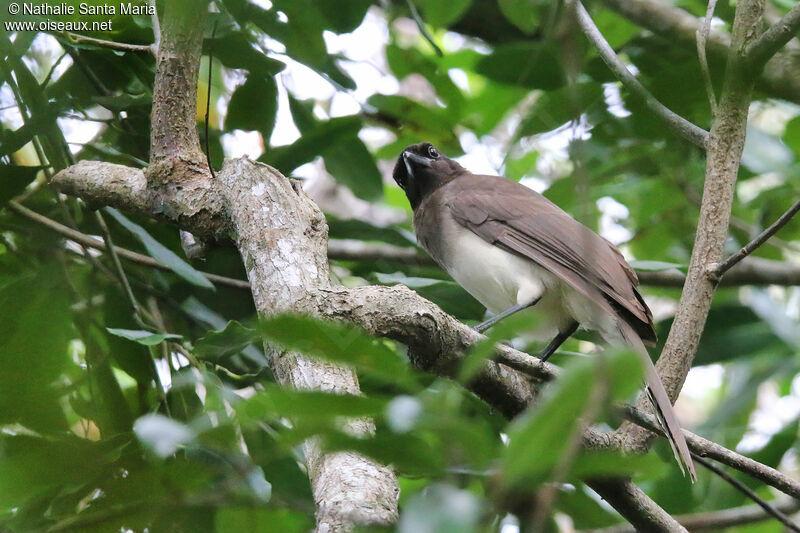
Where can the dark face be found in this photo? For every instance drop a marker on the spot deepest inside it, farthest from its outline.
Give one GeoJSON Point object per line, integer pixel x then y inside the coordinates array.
{"type": "Point", "coordinates": [421, 169]}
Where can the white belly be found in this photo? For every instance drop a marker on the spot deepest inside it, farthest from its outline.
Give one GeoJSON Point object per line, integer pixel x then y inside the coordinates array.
{"type": "Point", "coordinates": [500, 279]}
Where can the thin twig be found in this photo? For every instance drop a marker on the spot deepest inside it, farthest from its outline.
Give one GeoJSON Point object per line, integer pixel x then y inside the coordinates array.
{"type": "Point", "coordinates": [772, 40]}
{"type": "Point", "coordinates": [747, 491]}
{"type": "Point", "coordinates": [92, 242]}
{"type": "Point", "coordinates": [53, 69]}
{"type": "Point", "coordinates": [702, 39]}
{"type": "Point", "coordinates": [677, 123]}
{"type": "Point", "coordinates": [762, 237]}
{"type": "Point", "coordinates": [706, 448]}
{"type": "Point", "coordinates": [422, 29]}
{"type": "Point", "coordinates": [716, 520]}
{"type": "Point", "coordinates": [125, 47]}
{"type": "Point", "coordinates": [123, 278]}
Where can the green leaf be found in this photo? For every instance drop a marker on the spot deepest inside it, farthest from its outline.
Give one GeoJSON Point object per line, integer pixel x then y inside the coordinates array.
{"type": "Point", "coordinates": [313, 143]}
{"type": "Point", "coordinates": [527, 64]}
{"type": "Point", "coordinates": [305, 406]}
{"type": "Point", "coordinates": [35, 329]}
{"type": "Point", "coordinates": [302, 35]}
{"type": "Point", "coordinates": [14, 179]}
{"type": "Point", "coordinates": [161, 253]}
{"type": "Point", "coordinates": [448, 295]}
{"type": "Point", "coordinates": [524, 14]}
{"type": "Point", "coordinates": [351, 164]}
{"type": "Point", "coordinates": [343, 17]}
{"type": "Point", "coordinates": [554, 109]}
{"type": "Point", "coordinates": [337, 342]}
{"type": "Point", "coordinates": [235, 50]}
{"type": "Point", "coordinates": [221, 343]}
{"type": "Point", "coordinates": [539, 439]}
{"type": "Point", "coordinates": [148, 338]}
{"type": "Point", "coordinates": [616, 29]}
{"type": "Point", "coordinates": [792, 135]}
{"type": "Point", "coordinates": [162, 435]}
{"type": "Point", "coordinates": [442, 13]}
{"type": "Point", "coordinates": [253, 106]}
{"type": "Point", "coordinates": [358, 229]}
{"type": "Point", "coordinates": [259, 520]}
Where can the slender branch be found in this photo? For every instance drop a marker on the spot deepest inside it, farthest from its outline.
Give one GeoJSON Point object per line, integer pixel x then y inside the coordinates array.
{"type": "Point", "coordinates": [97, 244]}
{"type": "Point", "coordinates": [676, 123]}
{"type": "Point", "coordinates": [123, 47]}
{"type": "Point", "coordinates": [772, 40]}
{"type": "Point", "coordinates": [123, 278]}
{"type": "Point", "coordinates": [702, 39]}
{"type": "Point", "coordinates": [53, 69]}
{"type": "Point", "coordinates": [542, 372]}
{"type": "Point", "coordinates": [706, 448]}
{"type": "Point", "coordinates": [760, 239]}
{"type": "Point", "coordinates": [717, 520]}
{"type": "Point", "coordinates": [747, 491]}
{"type": "Point", "coordinates": [437, 342]}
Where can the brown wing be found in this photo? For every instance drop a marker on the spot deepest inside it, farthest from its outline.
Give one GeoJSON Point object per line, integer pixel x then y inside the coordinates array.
{"type": "Point", "coordinates": [517, 219]}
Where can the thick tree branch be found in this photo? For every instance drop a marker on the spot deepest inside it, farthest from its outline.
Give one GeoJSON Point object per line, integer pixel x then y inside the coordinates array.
{"type": "Point", "coordinates": [676, 123]}
{"type": "Point", "coordinates": [772, 40]}
{"type": "Point", "coordinates": [281, 235]}
{"type": "Point", "coordinates": [286, 263]}
{"type": "Point", "coordinates": [760, 239]}
{"type": "Point", "coordinates": [781, 74]}
{"type": "Point", "coordinates": [437, 341]}
{"type": "Point", "coordinates": [717, 520]}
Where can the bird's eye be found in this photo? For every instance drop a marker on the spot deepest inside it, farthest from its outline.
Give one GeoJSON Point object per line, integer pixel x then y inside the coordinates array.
{"type": "Point", "coordinates": [433, 153]}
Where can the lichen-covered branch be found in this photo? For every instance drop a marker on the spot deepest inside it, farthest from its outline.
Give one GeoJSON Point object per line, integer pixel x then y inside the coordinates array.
{"type": "Point", "coordinates": [282, 237]}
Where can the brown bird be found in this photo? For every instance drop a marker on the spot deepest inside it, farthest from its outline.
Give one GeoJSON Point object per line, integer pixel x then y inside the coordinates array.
{"type": "Point", "coordinates": [512, 248]}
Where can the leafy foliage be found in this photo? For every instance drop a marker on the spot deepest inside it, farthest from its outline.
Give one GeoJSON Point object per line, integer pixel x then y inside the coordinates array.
{"type": "Point", "coordinates": [108, 424]}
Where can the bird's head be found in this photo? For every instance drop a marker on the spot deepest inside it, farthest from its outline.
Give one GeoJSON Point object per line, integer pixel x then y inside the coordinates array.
{"type": "Point", "coordinates": [421, 169]}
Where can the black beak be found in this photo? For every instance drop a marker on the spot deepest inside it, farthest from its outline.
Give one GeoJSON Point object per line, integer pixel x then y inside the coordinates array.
{"type": "Point", "coordinates": [411, 157]}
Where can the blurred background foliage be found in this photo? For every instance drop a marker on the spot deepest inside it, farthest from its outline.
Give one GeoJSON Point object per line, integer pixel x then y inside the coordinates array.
{"type": "Point", "coordinates": [107, 426]}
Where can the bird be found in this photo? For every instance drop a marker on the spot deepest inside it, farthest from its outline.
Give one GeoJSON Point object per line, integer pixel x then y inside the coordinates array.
{"type": "Point", "coordinates": [513, 249]}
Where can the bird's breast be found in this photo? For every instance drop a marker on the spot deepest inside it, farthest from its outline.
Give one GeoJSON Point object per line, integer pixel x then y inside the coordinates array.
{"type": "Point", "coordinates": [496, 278]}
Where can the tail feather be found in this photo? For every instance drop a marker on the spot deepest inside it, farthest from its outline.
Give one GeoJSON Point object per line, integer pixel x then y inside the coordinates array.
{"type": "Point", "coordinates": [661, 403]}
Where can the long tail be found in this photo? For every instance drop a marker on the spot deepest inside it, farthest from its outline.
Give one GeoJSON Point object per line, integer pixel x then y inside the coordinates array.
{"type": "Point", "coordinates": [661, 403]}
